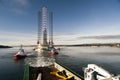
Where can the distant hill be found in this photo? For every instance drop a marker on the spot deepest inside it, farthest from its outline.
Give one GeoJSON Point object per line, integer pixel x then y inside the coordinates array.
{"type": "Point", "coordinates": [2, 46]}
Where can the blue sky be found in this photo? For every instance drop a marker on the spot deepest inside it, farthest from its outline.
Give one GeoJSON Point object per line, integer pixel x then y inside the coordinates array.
{"type": "Point", "coordinates": [75, 21]}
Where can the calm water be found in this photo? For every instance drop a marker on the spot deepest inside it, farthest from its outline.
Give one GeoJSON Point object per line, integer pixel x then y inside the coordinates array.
{"type": "Point", "coordinates": [73, 57]}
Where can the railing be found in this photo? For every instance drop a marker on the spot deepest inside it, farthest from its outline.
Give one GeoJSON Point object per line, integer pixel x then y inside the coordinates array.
{"type": "Point", "coordinates": [39, 76]}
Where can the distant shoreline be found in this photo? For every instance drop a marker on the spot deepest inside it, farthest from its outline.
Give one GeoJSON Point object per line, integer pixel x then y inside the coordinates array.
{"type": "Point", "coordinates": [92, 44]}
{"type": "Point", "coordinates": [2, 46]}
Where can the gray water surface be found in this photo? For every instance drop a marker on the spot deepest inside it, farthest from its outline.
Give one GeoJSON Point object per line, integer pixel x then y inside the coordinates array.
{"type": "Point", "coordinates": [74, 58]}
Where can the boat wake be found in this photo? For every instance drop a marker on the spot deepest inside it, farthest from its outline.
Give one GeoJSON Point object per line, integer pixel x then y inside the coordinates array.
{"type": "Point", "coordinates": [40, 61]}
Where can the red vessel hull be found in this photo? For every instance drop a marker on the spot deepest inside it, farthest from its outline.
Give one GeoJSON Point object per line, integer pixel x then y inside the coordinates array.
{"type": "Point", "coordinates": [53, 53]}
{"type": "Point", "coordinates": [16, 56]}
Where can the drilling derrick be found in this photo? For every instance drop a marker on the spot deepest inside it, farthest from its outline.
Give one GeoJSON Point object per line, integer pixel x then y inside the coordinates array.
{"type": "Point", "coordinates": [44, 25]}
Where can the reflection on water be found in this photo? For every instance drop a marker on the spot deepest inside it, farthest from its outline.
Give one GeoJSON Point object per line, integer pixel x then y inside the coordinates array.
{"type": "Point", "coordinates": [78, 57]}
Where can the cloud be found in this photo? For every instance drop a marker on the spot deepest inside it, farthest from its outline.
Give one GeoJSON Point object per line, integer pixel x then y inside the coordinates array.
{"type": "Point", "coordinates": [65, 39]}
{"type": "Point", "coordinates": [22, 2]}
{"type": "Point", "coordinates": [101, 37]}
{"type": "Point", "coordinates": [14, 38]}
{"type": "Point", "coordinates": [20, 6]}
{"type": "Point", "coordinates": [19, 11]}
{"type": "Point", "coordinates": [17, 6]}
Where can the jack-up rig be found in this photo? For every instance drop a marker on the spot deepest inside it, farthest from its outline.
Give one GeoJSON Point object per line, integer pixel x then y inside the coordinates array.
{"type": "Point", "coordinates": [44, 18]}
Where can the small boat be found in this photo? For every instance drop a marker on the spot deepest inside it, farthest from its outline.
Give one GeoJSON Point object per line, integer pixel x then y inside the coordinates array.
{"type": "Point", "coordinates": [20, 54]}
{"type": "Point", "coordinates": [53, 51]}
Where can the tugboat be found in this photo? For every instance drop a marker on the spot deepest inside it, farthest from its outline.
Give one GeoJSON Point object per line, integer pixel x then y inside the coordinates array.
{"type": "Point", "coordinates": [20, 54]}
{"type": "Point", "coordinates": [53, 51]}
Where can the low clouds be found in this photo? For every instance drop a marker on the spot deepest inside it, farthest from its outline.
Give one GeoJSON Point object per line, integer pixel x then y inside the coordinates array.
{"type": "Point", "coordinates": [101, 37]}
{"type": "Point", "coordinates": [30, 39]}
{"type": "Point", "coordinates": [82, 39]}
{"type": "Point", "coordinates": [13, 38]}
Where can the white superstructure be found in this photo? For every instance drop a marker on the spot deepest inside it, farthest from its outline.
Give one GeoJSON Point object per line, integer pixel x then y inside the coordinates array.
{"type": "Point", "coordinates": [94, 72]}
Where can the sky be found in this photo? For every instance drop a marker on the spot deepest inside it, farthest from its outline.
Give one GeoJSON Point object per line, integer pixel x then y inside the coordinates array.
{"type": "Point", "coordinates": [74, 21]}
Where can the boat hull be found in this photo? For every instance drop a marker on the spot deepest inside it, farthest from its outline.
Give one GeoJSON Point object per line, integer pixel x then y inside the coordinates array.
{"type": "Point", "coordinates": [54, 53]}
{"type": "Point", "coordinates": [16, 57]}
